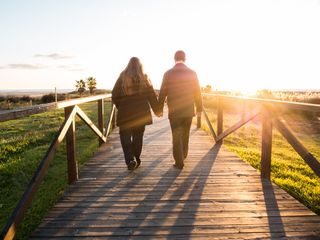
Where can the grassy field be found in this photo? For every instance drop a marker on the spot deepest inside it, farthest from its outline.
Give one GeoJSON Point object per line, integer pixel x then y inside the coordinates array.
{"type": "Point", "coordinates": [23, 143]}
{"type": "Point", "coordinates": [288, 169]}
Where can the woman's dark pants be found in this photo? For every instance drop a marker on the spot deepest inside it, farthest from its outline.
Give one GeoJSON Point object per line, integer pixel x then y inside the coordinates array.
{"type": "Point", "coordinates": [131, 142]}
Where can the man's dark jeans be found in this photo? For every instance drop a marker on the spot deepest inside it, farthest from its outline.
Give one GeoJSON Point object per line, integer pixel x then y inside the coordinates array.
{"type": "Point", "coordinates": [180, 128]}
{"type": "Point", "coordinates": [131, 142]}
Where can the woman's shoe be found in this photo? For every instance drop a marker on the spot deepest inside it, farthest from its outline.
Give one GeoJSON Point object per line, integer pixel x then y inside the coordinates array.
{"type": "Point", "coordinates": [132, 165]}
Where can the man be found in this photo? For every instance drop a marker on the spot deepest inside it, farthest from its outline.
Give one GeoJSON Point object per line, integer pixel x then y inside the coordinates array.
{"type": "Point", "coordinates": [180, 86]}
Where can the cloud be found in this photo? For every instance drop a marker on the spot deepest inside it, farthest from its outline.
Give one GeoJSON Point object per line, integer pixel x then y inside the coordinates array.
{"type": "Point", "coordinates": [72, 67]}
{"type": "Point", "coordinates": [23, 66]}
{"type": "Point", "coordinates": [54, 56]}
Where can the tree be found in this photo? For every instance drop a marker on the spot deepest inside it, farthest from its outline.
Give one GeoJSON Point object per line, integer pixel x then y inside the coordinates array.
{"type": "Point", "coordinates": [91, 84]}
{"type": "Point", "coordinates": [81, 86]}
{"type": "Point", "coordinates": [207, 89]}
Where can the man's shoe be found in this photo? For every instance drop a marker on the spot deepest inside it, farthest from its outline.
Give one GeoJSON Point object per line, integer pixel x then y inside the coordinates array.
{"type": "Point", "coordinates": [178, 166]}
{"type": "Point", "coordinates": [132, 165]}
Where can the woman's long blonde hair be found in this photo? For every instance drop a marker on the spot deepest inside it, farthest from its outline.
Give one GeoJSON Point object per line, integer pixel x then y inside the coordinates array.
{"type": "Point", "coordinates": [134, 80]}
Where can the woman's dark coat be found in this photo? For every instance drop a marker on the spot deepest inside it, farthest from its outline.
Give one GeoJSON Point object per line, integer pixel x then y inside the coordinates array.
{"type": "Point", "coordinates": [134, 110]}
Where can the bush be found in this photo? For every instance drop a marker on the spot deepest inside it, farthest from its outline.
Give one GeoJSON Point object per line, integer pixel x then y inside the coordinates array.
{"type": "Point", "coordinates": [25, 99]}
{"type": "Point", "coordinates": [13, 99]}
{"type": "Point", "coordinates": [48, 98]}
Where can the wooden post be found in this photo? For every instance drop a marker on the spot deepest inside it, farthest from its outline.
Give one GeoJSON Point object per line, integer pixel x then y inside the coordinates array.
{"type": "Point", "coordinates": [243, 109]}
{"type": "Point", "coordinates": [199, 121]}
{"type": "Point", "coordinates": [113, 120]}
{"type": "Point", "coordinates": [71, 149]}
{"type": "Point", "coordinates": [100, 118]}
{"type": "Point", "coordinates": [266, 145]}
{"type": "Point", "coordinates": [220, 117]}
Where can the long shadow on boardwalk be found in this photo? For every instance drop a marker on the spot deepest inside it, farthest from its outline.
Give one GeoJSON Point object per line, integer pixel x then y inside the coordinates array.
{"type": "Point", "coordinates": [274, 218]}
{"type": "Point", "coordinates": [181, 228]}
{"type": "Point", "coordinates": [78, 210]}
{"type": "Point", "coordinates": [211, 197]}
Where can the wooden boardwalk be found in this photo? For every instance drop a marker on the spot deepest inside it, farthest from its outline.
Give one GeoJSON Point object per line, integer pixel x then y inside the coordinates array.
{"type": "Point", "coordinates": [216, 196]}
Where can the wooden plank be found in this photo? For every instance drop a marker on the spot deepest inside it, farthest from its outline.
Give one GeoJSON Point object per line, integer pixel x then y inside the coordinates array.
{"type": "Point", "coordinates": [111, 121]}
{"type": "Point", "coordinates": [90, 124]}
{"type": "Point", "coordinates": [101, 119]}
{"type": "Point", "coordinates": [220, 116]}
{"type": "Point", "coordinates": [71, 147]}
{"type": "Point", "coordinates": [199, 121]}
{"type": "Point", "coordinates": [78, 101]}
{"type": "Point", "coordinates": [298, 146]}
{"type": "Point", "coordinates": [210, 125]}
{"type": "Point", "coordinates": [216, 195]}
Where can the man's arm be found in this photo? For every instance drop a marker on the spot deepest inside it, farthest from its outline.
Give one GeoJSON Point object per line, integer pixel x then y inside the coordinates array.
{"type": "Point", "coordinates": [163, 93]}
{"type": "Point", "coordinates": [153, 101]}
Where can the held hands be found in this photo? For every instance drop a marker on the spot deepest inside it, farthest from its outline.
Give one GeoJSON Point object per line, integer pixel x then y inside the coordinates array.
{"type": "Point", "coordinates": [159, 114]}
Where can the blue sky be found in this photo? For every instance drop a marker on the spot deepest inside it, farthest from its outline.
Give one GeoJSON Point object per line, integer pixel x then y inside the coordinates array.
{"type": "Point", "coordinates": [239, 45]}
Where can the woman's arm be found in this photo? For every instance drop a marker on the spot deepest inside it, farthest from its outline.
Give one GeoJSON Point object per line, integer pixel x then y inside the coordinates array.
{"type": "Point", "coordinates": [153, 100]}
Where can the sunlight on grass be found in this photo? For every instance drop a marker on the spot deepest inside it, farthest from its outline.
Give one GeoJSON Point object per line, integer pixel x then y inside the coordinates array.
{"type": "Point", "coordinates": [23, 144]}
{"type": "Point", "coordinates": [288, 169]}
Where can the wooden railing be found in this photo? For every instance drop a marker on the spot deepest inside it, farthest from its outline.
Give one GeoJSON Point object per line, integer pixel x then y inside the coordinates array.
{"type": "Point", "coordinates": [270, 113]}
{"type": "Point", "coordinates": [67, 130]}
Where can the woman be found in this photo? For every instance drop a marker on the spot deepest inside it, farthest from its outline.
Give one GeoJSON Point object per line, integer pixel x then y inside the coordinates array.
{"type": "Point", "coordinates": [133, 95]}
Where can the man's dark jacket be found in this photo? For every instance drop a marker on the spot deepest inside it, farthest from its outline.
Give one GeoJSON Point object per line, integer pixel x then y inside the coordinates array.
{"type": "Point", "coordinates": [134, 110]}
{"type": "Point", "coordinates": [180, 86]}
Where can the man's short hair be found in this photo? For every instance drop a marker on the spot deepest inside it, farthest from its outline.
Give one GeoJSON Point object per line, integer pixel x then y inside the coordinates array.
{"type": "Point", "coordinates": [180, 56]}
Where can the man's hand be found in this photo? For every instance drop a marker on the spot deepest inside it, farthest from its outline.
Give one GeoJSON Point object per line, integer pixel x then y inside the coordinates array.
{"type": "Point", "coordinates": [199, 114]}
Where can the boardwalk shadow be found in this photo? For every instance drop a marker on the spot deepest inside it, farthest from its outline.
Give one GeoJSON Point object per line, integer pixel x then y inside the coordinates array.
{"type": "Point", "coordinates": [123, 180]}
{"type": "Point", "coordinates": [275, 223]}
{"type": "Point", "coordinates": [171, 213]}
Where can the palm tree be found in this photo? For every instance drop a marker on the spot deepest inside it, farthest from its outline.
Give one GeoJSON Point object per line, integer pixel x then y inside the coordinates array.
{"type": "Point", "coordinates": [91, 83]}
{"type": "Point", "coordinates": [81, 86]}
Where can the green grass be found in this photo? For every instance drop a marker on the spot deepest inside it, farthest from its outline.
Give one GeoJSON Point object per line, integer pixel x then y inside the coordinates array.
{"type": "Point", "coordinates": [23, 143]}
{"type": "Point", "coordinates": [288, 169]}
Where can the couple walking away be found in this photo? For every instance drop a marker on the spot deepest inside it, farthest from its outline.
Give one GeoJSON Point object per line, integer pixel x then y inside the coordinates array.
{"type": "Point", "coordinates": [133, 95]}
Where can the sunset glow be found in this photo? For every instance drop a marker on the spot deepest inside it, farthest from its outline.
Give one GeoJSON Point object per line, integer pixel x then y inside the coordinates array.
{"type": "Point", "coordinates": [233, 45]}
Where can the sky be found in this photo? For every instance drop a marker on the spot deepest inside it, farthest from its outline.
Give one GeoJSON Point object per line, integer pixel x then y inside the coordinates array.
{"type": "Point", "coordinates": [232, 45]}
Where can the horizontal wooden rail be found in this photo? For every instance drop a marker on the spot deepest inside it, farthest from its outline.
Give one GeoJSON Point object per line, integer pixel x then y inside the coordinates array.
{"type": "Point", "coordinates": [66, 130]}
{"type": "Point", "coordinates": [78, 101]}
{"type": "Point", "coordinates": [270, 109]}
{"type": "Point", "coordinates": [270, 102]}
